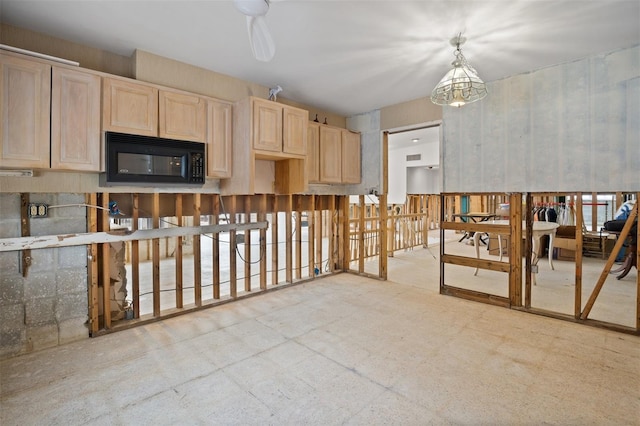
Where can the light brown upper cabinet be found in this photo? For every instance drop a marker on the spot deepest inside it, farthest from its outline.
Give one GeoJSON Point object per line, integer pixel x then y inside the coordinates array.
{"type": "Point", "coordinates": [334, 155]}
{"type": "Point", "coordinates": [182, 116]}
{"type": "Point", "coordinates": [313, 152]}
{"type": "Point", "coordinates": [351, 170]}
{"type": "Point", "coordinates": [269, 148]}
{"type": "Point", "coordinates": [75, 120]}
{"type": "Point", "coordinates": [25, 95]}
{"type": "Point", "coordinates": [279, 128]}
{"type": "Point", "coordinates": [129, 107]}
{"type": "Point", "coordinates": [219, 138]}
{"type": "Point", "coordinates": [330, 155]}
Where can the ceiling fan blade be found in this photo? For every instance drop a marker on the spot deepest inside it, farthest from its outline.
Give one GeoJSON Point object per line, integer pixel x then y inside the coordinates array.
{"type": "Point", "coordinates": [260, 39]}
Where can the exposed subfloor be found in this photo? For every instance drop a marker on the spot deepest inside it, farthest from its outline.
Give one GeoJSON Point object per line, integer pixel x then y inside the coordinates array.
{"type": "Point", "coordinates": [339, 350]}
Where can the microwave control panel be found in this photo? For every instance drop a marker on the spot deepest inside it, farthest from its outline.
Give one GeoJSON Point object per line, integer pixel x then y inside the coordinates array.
{"type": "Point", "coordinates": [197, 174]}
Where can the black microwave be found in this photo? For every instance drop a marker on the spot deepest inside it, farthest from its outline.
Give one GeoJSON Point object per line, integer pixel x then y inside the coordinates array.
{"type": "Point", "coordinates": [152, 161]}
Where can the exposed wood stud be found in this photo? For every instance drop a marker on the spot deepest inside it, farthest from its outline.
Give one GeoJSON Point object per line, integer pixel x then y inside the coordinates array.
{"type": "Point", "coordinates": [311, 216]}
{"type": "Point", "coordinates": [360, 234]}
{"type": "Point", "coordinates": [262, 216]}
{"type": "Point", "coordinates": [215, 250]}
{"type": "Point", "coordinates": [135, 259]}
{"type": "Point", "coordinates": [607, 268]}
{"type": "Point", "coordinates": [577, 303]}
{"type": "Point", "coordinates": [25, 231]}
{"type": "Point", "coordinates": [106, 262]}
{"type": "Point", "coordinates": [233, 245]}
{"type": "Point", "coordinates": [178, 253]}
{"type": "Point", "coordinates": [515, 276]}
{"type": "Point", "coordinates": [92, 264]}
{"type": "Point", "coordinates": [298, 239]}
{"type": "Point", "coordinates": [382, 269]}
{"type": "Point", "coordinates": [247, 245]}
{"type": "Point", "coordinates": [274, 244]}
{"type": "Point", "coordinates": [197, 259]}
{"type": "Point", "coordinates": [288, 243]}
{"type": "Point", "coordinates": [332, 231]}
{"type": "Point", "coordinates": [155, 255]}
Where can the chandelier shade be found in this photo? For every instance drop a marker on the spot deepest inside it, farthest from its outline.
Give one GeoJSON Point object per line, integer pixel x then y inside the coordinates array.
{"type": "Point", "coordinates": [461, 85]}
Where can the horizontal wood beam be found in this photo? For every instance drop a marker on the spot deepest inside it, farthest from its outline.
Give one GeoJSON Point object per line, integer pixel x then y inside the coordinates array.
{"type": "Point", "coordinates": [476, 263]}
{"type": "Point", "coordinates": [53, 241]}
{"type": "Point", "coordinates": [477, 227]}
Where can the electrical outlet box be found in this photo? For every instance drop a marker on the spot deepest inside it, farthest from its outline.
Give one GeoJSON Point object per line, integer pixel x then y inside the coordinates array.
{"type": "Point", "coordinates": [38, 210]}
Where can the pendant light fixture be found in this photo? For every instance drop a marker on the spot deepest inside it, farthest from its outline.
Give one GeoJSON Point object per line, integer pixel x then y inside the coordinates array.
{"type": "Point", "coordinates": [461, 85]}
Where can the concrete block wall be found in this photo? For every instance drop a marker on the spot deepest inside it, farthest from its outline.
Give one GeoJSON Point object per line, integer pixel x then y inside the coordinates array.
{"type": "Point", "coordinates": [49, 306]}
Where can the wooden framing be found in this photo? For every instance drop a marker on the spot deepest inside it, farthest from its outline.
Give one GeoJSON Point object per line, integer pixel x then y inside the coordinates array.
{"type": "Point", "coordinates": [450, 203]}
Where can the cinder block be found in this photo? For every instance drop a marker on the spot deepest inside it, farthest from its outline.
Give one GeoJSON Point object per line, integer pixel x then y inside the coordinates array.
{"type": "Point", "coordinates": [72, 306]}
{"type": "Point", "coordinates": [72, 257]}
{"type": "Point", "coordinates": [12, 317]}
{"type": "Point", "coordinates": [10, 206]}
{"type": "Point", "coordinates": [11, 290]}
{"type": "Point", "coordinates": [40, 311]}
{"type": "Point", "coordinates": [39, 285]}
{"type": "Point", "coordinates": [9, 228]}
{"type": "Point", "coordinates": [72, 329]}
{"type": "Point", "coordinates": [10, 264]}
{"type": "Point", "coordinates": [42, 260]}
{"type": "Point", "coordinates": [41, 337]}
{"type": "Point", "coordinates": [12, 343]}
{"type": "Point", "coordinates": [69, 281]}
{"type": "Point", "coordinates": [43, 226]}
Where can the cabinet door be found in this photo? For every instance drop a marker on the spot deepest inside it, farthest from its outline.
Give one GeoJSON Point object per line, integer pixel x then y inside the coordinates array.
{"type": "Point", "coordinates": [182, 116]}
{"type": "Point", "coordinates": [313, 152]}
{"type": "Point", "coordinates": [330, 155]}
{"type": "Point", "coordinates": [130, 107]}
{"type": "Point", "coordinates": [267, 126]}
{"type": "Point", "coordinates": [219, 139]}
{"type": "Point", "coordinates": [25, 97]}
{"type": "Point", "coordinates": [294, 130]}
{"type": "Point", "coordinates": [75, 120]}
{"type": "Point", "coordinates": [350, 157]}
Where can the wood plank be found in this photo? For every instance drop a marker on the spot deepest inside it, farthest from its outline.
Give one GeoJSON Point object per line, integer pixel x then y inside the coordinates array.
{"type": "Point", "coordinates": [25, 231]}
{"type": "Point", "coordinates": [275, 268]}
{"type": "Point", "coordinates": [298, 239]}
{"type": "Point", "coordinates": [577, 302]}
{"type": "Point", "coordinates": [475, 296]}
{"type": "Point", "coordinates": [343, 233]}
{"type": "Point", "coordinates": [515, 273]}
{"type": "Point", "coordinates": [178, 253]}
{"type": "Point", "coordinates": [332, 233]}
{"type": "Point", "coordinates": [215, 249]}
{"type": "Point", "coordinates": [486, 227]}
{"type": "Point", "coordinates": [607, 268]}
{"type": "Point", "coordinates": [527, 249]}
{"type": "Point", "coordinates": [91, 199]}
{"type": "Point", "coordinates": [197, 252]}
{"type": "Point", "coordinates": [289, 243]}
{"type": "Point", "coordinates": [233, 246]}
{"type": "Point", "coordinates": [311, 231]}
{"type": "Point", "coordinates": [262, 216]}
{"type": "Point", "coordinates": [361, 231]}
{"type": "Point", "coordinates": [317, 238]}
{"type": "Point", "coordinates": [382, 268]}
{"type": "Point", "coordinates": [492, 265]}
{"type": "Point", "coordinates": [247, 245]}
{"type": "Point", "coordinates": [155, 255]}
{"type": "Point", "coordinates": [106, 262]}
{"type": "Point", "coordinates": [135, 258]}
{"type": "Point", "coordinates": [51, 241]}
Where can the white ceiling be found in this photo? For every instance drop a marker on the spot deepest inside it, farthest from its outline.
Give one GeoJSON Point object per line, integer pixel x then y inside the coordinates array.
{"type": "Point", "coordinates": [348, 57]}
